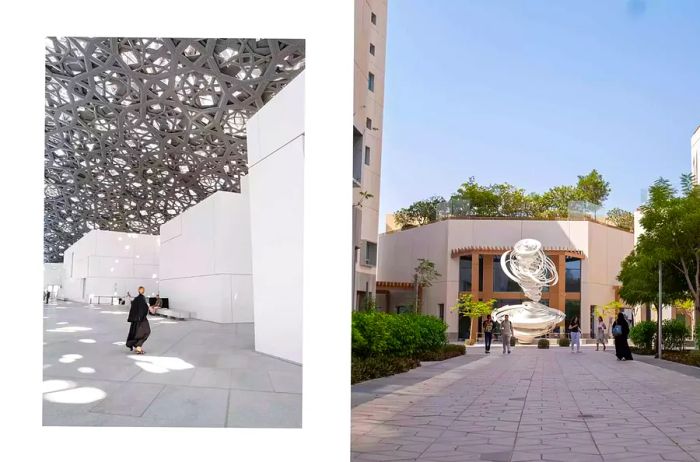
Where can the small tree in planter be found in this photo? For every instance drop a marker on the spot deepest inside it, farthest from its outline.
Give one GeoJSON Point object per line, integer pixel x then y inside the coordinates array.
{"type": "Point", "coordinates": [543, 343]}
{"type": "Point", "coordinates": [608, 311]}
{"type": "Point", "coordinates": [474, 309]}
{"type": "Point", "coordinates": [425, 274]}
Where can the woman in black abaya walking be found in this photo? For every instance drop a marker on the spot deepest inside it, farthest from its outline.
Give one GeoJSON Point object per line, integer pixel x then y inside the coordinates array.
{"type": "Point", "coordinates": [621, 330]}
{"type": "Point", "coordinates": [140, 329]}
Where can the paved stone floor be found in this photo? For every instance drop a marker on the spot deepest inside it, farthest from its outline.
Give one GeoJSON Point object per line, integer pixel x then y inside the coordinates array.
{"type": "Point", "coordinates": [535, 405]}
{"type": "Point", "coordinates": [194, 374]}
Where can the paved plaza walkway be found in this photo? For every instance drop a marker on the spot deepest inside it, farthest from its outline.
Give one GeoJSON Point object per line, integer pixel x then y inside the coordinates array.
{"type": "Point", "coordinates": [535, 405]}
{"type": "Point", "coordinates": [195, 373]}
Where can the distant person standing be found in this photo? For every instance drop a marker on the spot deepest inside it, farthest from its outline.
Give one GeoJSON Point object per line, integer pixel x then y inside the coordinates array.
{"type": "Point", "coordinates": [140, 328]}
{"type": "Point", "coordinates": [47, 295]}
{"type": "Point", "coordinates": [621, 330]}
{"type": "Point", "coordinates": [575, 331]}
{"type": "Point", "coordinates": [601, 333]}
{"type": "Point", "coordinates": [487, 326]}
{"type": "Point", "coordinates": [506, 334]}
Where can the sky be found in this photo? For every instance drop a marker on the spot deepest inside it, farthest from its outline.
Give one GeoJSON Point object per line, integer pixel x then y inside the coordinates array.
{"type": "Point", "coordinates": [536, 92]}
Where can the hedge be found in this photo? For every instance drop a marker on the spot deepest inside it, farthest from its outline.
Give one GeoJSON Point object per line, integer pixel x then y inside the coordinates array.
{"type": "Point", "coordinates": [543, 343]}
{"type": "Point", "coordinates": [446, 352]}
{"type": "Point", "coordinates": [403, 335]}
{"type": "Point", "coordinates": [564, 341]}
{"type": "Point", "coordinates": [643, 334]}
{"type": "Point", "coordinates": [376, 367]}
{"type": "Point", "coordinates": [674, 332]}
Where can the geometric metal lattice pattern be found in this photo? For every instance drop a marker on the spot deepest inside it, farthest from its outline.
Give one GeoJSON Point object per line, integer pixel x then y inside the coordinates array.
{"type": "Point", "coordinates": [138, 130]}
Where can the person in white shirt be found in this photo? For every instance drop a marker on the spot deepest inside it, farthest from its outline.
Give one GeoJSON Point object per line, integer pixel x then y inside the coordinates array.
{"type": "Point", "coordinates": [506, 334]}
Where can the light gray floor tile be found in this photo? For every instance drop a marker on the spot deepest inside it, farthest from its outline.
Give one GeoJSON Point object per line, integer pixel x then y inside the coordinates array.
{"type": "Point", "coordinates": [264, 409]}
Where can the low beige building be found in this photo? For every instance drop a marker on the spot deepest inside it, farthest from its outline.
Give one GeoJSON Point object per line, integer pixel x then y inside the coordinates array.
{"type": "Point", "coordinates": [466, 253]}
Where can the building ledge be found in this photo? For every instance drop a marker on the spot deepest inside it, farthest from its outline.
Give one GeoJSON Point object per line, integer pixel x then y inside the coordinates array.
{"type": "Point", "coordinates": [499, 250]}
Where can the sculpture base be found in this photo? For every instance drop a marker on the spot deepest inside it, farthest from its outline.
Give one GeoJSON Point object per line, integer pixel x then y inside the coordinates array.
{"type": "Point", "coordinates": [529, 319]}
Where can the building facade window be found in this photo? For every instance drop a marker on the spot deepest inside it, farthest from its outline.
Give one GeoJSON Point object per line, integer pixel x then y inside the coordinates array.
{"type": "Point", "coordinates": [368, 123]}
{"type": "Point", "coordinates": [367, 155]}
{"type": "Point", "coordinates": [373, 18]}
{"type": "Point", "coordinates": [441, 310]}
{"type": "Point", "coordinates": [357, 143]}
{"type": "Point", "coordinates": [572, 309]}
{"type": "Point", "coordinates": [501, 282]}
{"type": "Point", "coordinates": [370, 82]}
{"type": "Point", "coordinates": [465, 274]}
{"type": "Point", "coordinates": [573, 274]}
{"type": "Point", "coordinates": [371, 254]}
{"type": "Point", "coordinates": [371, 49]}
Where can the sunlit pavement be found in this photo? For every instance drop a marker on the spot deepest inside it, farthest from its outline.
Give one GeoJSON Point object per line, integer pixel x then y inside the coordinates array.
{"type": "Point", "coordinates": [194, 373]}
{"type": "Point", "coordinates": [535, 405]}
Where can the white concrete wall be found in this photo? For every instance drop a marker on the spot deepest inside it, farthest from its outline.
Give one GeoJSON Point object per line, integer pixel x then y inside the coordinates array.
{"type": "Point", "coordinates": [276, 180]}
{"type": "Point", "coordinates": [52, 274]}
{"type": "Point", "coordinates": [205, 259]}
{"type": "Point", "coordinates": [604, 247]}
{"type": "Point", "coordinates": [105, 262]}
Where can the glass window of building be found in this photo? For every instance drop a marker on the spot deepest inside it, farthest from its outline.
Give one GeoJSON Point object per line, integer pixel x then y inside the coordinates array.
{"type": "Point", "coordinates": [367, 155]}
{"type": "Point", "coordinates": [371, 254]}
{"type": "Point", "coordinates": [572, 309]}
{"type": "Point", "coordinates": [465, 274]}
{"type": "Point", "coordinates": [501, 282]}
{"type": "Point", "coordinates": [373, 18]}
{"type": "Point", "coordinates": [441, 310]}
{"type": "Point", "coordinates": [371, 49]}
{"type": "Point", "coordinates": [368, 123]}
{"type": "Point", "coordinates": [573, 274]}
{"type": "Point", "coordinates": [370, 82]}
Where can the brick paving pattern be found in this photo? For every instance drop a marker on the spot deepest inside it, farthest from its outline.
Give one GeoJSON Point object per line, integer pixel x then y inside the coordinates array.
{"type": "Point", "coordinates": [535, 405]}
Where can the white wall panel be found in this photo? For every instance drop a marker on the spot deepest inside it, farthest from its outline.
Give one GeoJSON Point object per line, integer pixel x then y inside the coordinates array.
{"type": "Point", "coordinates": [205, 266]}
{"type": "Point", "coordinates": [276, 183]}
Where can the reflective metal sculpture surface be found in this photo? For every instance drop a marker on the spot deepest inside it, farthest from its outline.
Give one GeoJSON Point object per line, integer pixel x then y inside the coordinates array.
{"type": "Point", "coordinates": [138, 130]}
{"type": "Point", "coordinates": [528, 265]}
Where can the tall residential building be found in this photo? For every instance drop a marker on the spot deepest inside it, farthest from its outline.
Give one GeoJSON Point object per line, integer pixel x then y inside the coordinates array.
{"type": "Point", "coordinates": [695, 154]}
{"type": "Point", "coordinates": [368, 110]}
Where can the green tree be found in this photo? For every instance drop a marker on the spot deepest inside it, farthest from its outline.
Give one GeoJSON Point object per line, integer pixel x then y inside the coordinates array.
{"type": "Point", "coordinates": [593, 188]}
{"type": "Point", "coordinates": [425, 274]}
{"type": "Point", "coordinates": [554, 203]}
{"type": "Point", "coordinates": [419, 213]}
{"type": "Point", "coordinates": [670, 221]}
{"type": "Point", "coordinates": [621, 218]}
{"type": "Point", "coordinates": [474, 309]}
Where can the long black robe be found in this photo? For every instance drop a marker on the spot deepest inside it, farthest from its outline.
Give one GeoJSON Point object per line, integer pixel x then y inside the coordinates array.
{"type": "Point", "coordinates": [622, 348]}
{"type": "Point", "coordinates": [140, 329]}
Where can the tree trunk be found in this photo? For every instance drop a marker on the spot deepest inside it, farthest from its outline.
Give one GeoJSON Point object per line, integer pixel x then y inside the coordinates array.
{"type": "Point", "coordinates": [473, 330]}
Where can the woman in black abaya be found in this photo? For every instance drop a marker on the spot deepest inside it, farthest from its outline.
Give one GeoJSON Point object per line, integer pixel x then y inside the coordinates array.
{"type": "Point", "coordinates": [622, 348]}
{"type": "Point", "coordinates": [140, 329]}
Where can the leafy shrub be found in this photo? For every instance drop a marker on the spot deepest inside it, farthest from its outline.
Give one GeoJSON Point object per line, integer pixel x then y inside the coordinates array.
{"type": "Point", "coordinates": [380, 366]}
{"type": "Point", "coordinates": [674, 333]}
{"type": "Point", "coordinates": [642, 334]}
{"type": "Point", "coordinates": [380, 334]}
{"type": "Point", "coordinates": [543, 343]}
{"type": "Point", "coordinates": [690, 358]}
{"type": "Point", "coordinates": [564, 341]}
{"type": "Point", "coordinates": [446, 352]}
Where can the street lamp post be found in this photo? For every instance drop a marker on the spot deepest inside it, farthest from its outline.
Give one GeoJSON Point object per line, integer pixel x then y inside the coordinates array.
{"type": "Point", "coordinates": [660, 307]}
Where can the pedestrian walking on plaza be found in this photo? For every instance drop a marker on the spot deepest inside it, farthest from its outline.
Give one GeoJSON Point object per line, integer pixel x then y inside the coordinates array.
{"type": "Point", "coordinates": [488, 332]}
{"type": "Point", "coordinates": [621, 330]}
{"type": "Point", "coordinates": [47, 295]}
{"type": "Point", "coordinates": [140, 329]}
{"type": "Point", "coordinates": [601, 333]}
{"type": "Point", "coordinates": [506, 334]}
{"type": "Point", "coordinates": [575, 331]}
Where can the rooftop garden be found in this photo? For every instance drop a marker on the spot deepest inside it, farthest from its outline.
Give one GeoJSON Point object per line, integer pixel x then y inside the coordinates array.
{"type": "Point", "coordinates": [583, 200]}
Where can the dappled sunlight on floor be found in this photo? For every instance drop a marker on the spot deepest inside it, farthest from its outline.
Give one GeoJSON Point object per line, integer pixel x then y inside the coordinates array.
{"type": "Point", "coordinates": [65, 392]}
{"type": "Point", "coordinates": [160, 364]}
{"type": "Point", "coordinates": [69, 329]}
{"type": "Point", "coordinates": [67, 359]}
{"type": "Point", "coordinates": [87, 340]}
{"type": "Point", "coordinates": [86, 370]}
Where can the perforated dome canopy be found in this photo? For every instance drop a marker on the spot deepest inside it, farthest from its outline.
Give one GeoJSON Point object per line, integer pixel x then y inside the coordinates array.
{"type": "Point", "coordinates": [138, 130]}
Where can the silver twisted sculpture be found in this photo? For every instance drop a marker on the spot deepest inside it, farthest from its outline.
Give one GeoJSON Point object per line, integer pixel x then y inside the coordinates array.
{"type": "Point", "coordinates": [528, 265]}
